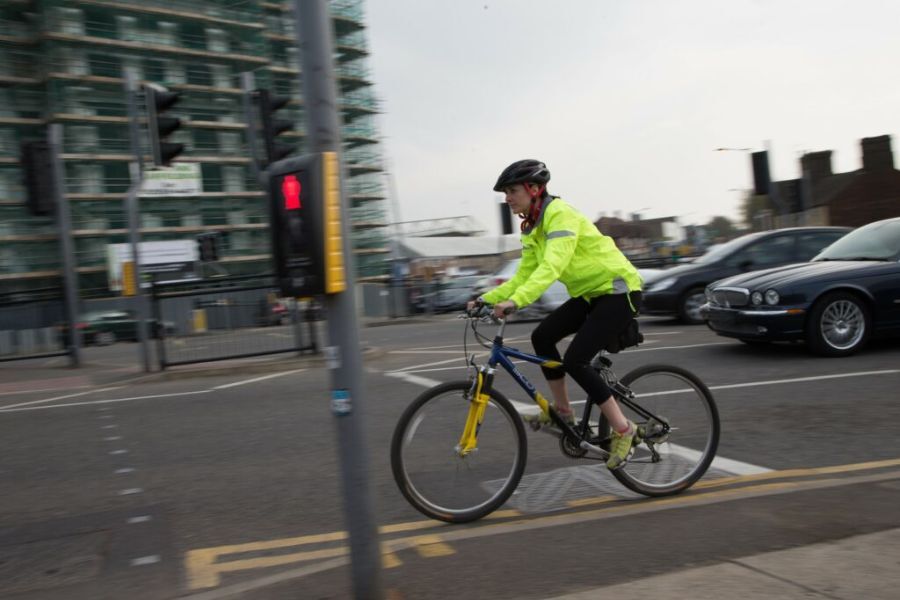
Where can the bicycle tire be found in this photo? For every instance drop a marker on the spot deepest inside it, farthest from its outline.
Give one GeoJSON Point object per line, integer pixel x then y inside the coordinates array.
{"type": "Point", "coordinates": [636, 475]}
{"type": "Point", "coordinates": [440, 450]}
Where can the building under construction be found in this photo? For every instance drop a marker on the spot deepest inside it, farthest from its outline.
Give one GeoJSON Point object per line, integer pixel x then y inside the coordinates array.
{"type": "Point", "coordinates": [64, 61]}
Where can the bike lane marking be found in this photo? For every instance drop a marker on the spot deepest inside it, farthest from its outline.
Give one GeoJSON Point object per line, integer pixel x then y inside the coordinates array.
{"type": "Point", "coordinates": [206, 566]}
{"type": "Point", "coordinates": [28, 406]}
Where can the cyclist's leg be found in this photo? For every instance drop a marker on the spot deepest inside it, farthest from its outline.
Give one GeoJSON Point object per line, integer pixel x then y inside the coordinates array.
{"type": "Point", "coordinates": [608, 317]}
{"type": "Point", "coordinates": [563, 321]}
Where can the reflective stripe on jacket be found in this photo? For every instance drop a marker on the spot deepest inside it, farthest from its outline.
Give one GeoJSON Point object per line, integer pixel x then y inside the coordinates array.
{"type": "Point", "coordinates": [565, 245]}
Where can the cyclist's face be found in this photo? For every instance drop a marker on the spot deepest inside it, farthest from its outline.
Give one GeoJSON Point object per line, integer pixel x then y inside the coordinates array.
{"type": "Point", "coordinates": [518, 198]}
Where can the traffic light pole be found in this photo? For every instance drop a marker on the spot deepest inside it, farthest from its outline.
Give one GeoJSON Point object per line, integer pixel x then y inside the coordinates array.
{"type": "Point", "coordinates": [66, 247]}
{"type": "Point", "coordinates": [313, 29]}
{"type": "Point", "coordinates": [131, 207]}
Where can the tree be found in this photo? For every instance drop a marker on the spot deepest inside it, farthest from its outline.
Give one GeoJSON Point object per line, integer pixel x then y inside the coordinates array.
{"type": "Point", "coordinates": [753, 206]}
{"type": "Point", "coordinates": [720, 227]}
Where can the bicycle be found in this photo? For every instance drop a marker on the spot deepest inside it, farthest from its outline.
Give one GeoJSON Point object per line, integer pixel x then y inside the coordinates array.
{"type": "Point", "coordinates": [461, 476]}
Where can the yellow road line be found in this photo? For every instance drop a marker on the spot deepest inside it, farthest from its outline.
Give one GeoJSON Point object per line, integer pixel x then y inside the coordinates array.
{"type": "Point", "coordinates": [204, 569]}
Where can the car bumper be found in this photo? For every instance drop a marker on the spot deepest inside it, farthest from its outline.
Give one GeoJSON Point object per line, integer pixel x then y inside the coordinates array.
{"type": "Point", "coordinates": [774, 325]}
{"type": "Point", "coordinates": [659, 303]}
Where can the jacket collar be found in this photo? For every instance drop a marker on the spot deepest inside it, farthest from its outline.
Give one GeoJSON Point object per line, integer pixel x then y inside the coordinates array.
{"type": "Point", "coordinates": [540, 215]}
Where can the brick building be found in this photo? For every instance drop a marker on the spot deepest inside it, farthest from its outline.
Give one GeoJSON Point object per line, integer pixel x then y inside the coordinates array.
{"type": "Point", "coordinates": [850, 199]}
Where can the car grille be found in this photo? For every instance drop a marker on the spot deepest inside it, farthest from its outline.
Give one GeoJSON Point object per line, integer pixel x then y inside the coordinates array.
{"type": "Point", "coordinates": [730, 297]}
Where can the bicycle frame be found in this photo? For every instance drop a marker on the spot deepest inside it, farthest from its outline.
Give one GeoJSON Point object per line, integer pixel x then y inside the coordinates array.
{"type": "Point", "coordinates": [502, 355]}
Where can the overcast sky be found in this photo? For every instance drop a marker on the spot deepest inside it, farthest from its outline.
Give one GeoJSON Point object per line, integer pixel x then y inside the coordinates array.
{"type": "Point", "coordinates": [625, 101]}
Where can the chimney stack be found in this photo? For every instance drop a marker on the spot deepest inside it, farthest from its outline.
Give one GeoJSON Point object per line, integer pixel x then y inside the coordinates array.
{"type": "Point", "coordinates": [816, 165]}
{"type": "Point", "coordinates": [877, 154]}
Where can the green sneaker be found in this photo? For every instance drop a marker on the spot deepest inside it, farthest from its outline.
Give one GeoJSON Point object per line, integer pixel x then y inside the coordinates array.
{"type": "Point", "coordinates": [541, 419]}
{"type": "Point", "coordinates": [620, 447]}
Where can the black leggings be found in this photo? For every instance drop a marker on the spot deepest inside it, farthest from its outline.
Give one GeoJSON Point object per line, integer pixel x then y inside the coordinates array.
{"type": "Point", "coordinates": [595, 324]}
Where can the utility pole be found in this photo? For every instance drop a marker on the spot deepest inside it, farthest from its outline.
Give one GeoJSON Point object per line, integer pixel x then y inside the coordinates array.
{"type": "Point", "coordinates": [313, 28]}
{"type": "Point", "coordinates": [67, 248]}
{"type": "Point", "coordinates": [131, 207]}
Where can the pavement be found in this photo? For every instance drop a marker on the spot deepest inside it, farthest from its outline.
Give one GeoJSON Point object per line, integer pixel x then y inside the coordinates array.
{"type": "Point", "coordinates": [56, 374]}
{"type": "Point", "coordinates": [863, 566]}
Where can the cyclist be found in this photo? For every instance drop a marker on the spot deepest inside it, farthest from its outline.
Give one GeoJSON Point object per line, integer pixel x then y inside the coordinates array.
{"type": "Point", "coordinates": [558, 242]}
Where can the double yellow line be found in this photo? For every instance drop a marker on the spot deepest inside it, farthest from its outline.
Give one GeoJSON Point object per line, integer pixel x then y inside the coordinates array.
{"type": "Point", "coordinates": [206, 566]}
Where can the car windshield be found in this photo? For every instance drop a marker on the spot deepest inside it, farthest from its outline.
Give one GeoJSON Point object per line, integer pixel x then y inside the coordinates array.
{"type": "Point", "coordinates": [725, 249]}
{"type": "Point", "coordinates": [875, 241]}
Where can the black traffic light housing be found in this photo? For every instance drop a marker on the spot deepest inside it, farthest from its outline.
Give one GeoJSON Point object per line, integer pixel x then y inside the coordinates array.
{"type": "Point", "coordinates": [38, 177]}
{"type": "Point", "coordinates": [160, 125]}
{"type": "Point", "coordinates": [759, 161]}
{"type": "Point", "coordinates": [269, 104]}
{"type": "Point", "coordinates": [307, 244]}
{"type": "Point", "coordinates": [506, 218]}
{"type": "Point", "coordinates": [208, 246]}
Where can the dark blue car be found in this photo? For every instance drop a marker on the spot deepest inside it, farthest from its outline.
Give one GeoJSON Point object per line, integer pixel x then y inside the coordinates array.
{"type": "Point", "coordinates": [846, 295]}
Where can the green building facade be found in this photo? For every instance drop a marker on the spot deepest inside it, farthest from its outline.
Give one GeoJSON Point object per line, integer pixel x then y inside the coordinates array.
{"type": "Point", "coordinates": [64, 61]}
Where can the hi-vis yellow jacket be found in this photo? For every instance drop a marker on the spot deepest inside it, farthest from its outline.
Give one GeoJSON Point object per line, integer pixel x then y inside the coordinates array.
{"type": "Point", "coordinates": [565, 245]}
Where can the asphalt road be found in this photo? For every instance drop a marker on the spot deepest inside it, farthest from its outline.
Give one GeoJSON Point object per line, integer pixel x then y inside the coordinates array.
{"type": "Point", "coordinates": [229, 484]}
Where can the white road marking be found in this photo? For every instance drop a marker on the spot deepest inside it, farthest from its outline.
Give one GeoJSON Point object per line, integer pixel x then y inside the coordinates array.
{"type": "Point", "coordinates": [120, 451]}
{"type": "Point", "coordinates": [255, 379]}
{"type": "Point", "coordinates": [415, 379]}
{"type": "Point", "coordinates": [45, 400]}
{"type": "Point", "coordinates": [74, 387]}
{"type": "Point", "coordinates": [459, 359]}
{"type": "Point", "coordinates": [112, 438]}
{"type": "Point", "coordinates": [145, 560]}
{"type": "Point", "coordinates": [124, 471]}
{"type": "Point", "coordinates": [131, 491]}
{"type": "Point", "coordinates": [108, 401]}
{"type": "Point", "coordinates": [140, 519]}
{"type": "Point", "coordinates": [113, 426]}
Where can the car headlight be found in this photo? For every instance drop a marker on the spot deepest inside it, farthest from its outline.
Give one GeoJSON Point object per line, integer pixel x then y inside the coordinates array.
{"type": "Point", "coordinates": [756, 298]}
{"type": "Point", "coordinates": [772, 297]}
{"type": "Point", "coordinates": [662, 284]}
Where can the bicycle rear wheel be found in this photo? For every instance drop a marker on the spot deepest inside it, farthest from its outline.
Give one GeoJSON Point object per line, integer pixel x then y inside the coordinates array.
{"type": "Point", "coordinates": [432, 475]}
{"type": "Point", "coordinates": [668, 463]}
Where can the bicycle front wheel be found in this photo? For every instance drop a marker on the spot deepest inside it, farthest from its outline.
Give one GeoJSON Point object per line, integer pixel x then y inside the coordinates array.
{"type": "Point", "coordinates": [428, 467]}
{"type": "Point", "coordinates": [669, 462]}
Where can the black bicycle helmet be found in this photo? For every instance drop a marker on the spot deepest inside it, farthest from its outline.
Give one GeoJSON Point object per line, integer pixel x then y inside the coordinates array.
{"type": "Point", "coordinates": [523, 171]}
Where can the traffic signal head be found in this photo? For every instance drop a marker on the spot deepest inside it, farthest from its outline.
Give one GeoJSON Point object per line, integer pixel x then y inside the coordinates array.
{"type": "Point", "coordinates": [761, 179]}
{"type": "Point", "coordinates": [38, 177]}
{"type": "Point", "coordinates": [208, 246]}
{"type": "Point", "coordinates": [160, 125]}
{"type": "Point", "coordinates": [307, 246]}
{"type": "Point", "coordinates": [269, 104]}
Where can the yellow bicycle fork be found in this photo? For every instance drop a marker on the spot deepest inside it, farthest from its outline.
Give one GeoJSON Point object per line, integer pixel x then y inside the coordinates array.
{"type": "Point", "coordinates": [477, 407]}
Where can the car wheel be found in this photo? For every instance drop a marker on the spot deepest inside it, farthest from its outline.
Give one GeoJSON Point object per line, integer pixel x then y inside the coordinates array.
{"type": "Point", "coordinates": [838, 325]}
{"type": "Point", "coordinates": [105, 338]}
{"type": "Point", "coordinates": [689, 306]}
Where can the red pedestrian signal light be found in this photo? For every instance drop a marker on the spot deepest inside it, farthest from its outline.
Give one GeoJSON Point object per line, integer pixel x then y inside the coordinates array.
{"type": "Point", "coordinates": [290, 190]}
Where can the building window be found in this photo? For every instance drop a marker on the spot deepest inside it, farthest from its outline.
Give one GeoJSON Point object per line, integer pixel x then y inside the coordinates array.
{"type": "Point", "coordinates": [168, 33]}
{"type": "Point", "coordinates": [88, 179]}
{"type": "Point", "coordinates": [105, 65]}
{"type": "Point", "coordinates": [174, 72]}
{"type": "Point", "coordinates": [230, 142]}
{"type": "Point", "coordinates": [154, 69]}
{"type": "Point", "coordinates": [221, 75]}
{"type": "Point", "coordinates": [193, 220]}
{"type": "Point", "coordinates": [216, 40]}
{"type": "Point", "coordinates": [70, 20]}
{"type": "Point", "coordinates": [84, 138]}
{"type": "Point", "coordinates": [199, 75]}
{"type": "Point", "coordinates": [226, 110]}
{"type": "Point", "coordinates": [127, 26]}
{"type": "Point", "coordinates": [234, 179]}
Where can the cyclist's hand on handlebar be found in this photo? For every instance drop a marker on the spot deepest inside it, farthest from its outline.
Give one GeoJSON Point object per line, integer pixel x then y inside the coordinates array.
{"type": "Point", "coordinates": [473, 307]}
{"type": "Point", "coordinates": [502, 309]}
